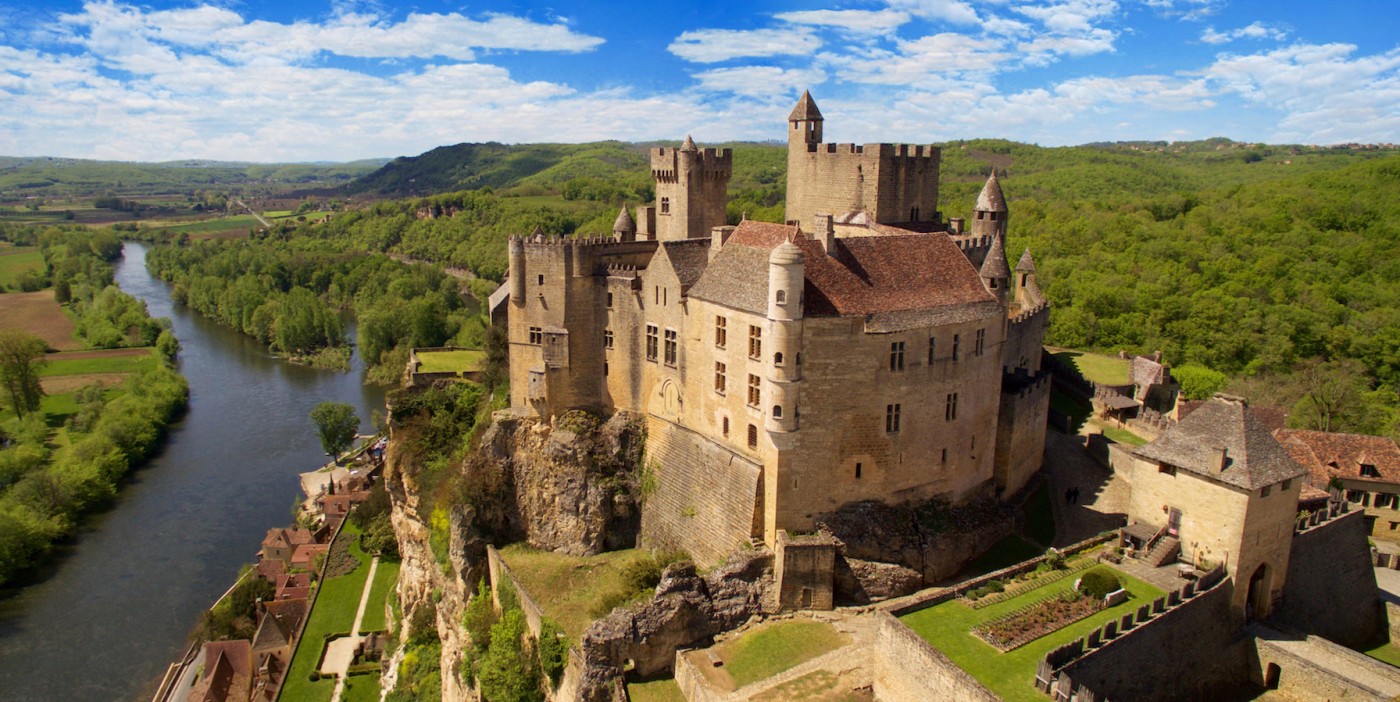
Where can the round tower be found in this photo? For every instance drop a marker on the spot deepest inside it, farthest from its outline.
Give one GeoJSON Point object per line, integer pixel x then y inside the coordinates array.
{"type": "Point", "coordinates": [785, 281]}
{"type": "Point", "coordinates": [990, 215]}
{"type": "Point", "coordinates": [624, 229]}
{"type": "Point", "coordinates": [517, 270]}
{"type": "Point", "coordinates": [996, 275]}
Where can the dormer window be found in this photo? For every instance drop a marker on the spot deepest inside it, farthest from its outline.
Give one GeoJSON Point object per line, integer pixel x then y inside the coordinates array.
{"type": "Point", "coordinates": [1369, 471]}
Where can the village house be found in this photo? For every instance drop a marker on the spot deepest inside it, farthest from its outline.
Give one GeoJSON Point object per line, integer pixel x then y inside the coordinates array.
{"type": "Point", "coordinates": [228, 673]}
{"type": "Point", "coordinates": [1363, 470]}
{"type": "Point", "coordinates": [865, 349]}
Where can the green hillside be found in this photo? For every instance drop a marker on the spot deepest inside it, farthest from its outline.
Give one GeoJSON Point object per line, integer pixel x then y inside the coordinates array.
{"type": "Point", "coordinates": [44, 176]}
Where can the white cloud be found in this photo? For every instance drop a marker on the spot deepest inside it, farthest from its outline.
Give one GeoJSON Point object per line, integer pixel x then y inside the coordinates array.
{"type": "Point", "coordinates": [760, 81]}
{"type": "Point", "coordinates": [954, 11]}
{"type": "Point", "coordinates": [1188, 10]}
{"type": "Point", "coordinates": [937, 58]}
{"type": "Point", "coordinates": [1070, 16]}
{"type": "Point", "coordinates": [1042, 49]}
{"type": "Point", "coordinates": [715, 45]}
{"type": "Point", "coordinates": [1257, 30]}
{"type": "Point", "coordinates": [856, 21]}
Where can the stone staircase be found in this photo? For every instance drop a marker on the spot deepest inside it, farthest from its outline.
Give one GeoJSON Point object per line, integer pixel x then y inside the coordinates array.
{"type": "Point", "coordinates": [1164, 551]}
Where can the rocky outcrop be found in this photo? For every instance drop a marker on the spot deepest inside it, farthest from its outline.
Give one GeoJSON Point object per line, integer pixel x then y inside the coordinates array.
{"type": "Point", "coordinates": [931, 539]}
{"type": "Point", "coordinates": [862, 582]}
{"type": "Point", "coordinates": [688, 610]}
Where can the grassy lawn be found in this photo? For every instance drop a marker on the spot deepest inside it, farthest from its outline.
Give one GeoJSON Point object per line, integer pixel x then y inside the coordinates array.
{"type": "Point", "coordinates": [568, 587]}
{"type": "Point", "coordinates": [120, 361]}
{"type": "Point", "coordinates": [384, 578]}
{"type": "Point", "coordinates": [361, 688]}
{"type": "Point", "coordinates": [768, 650]}
{"type": "Point", "coordinates": [948, 627]}
{"type": "Point", "coordinates": [1040, 518]}
{"type": "Point", "coordinates": [214, 225]}
{"type": "Point", "coordinates": [1106, 370]}
{"type": "Point", "coordinates": [1007, 552]}
{"type": "Point", "coordinates": [665, 690]}
{"type": "Point", "coordinates": [15, 261]}
{"type": "Point", "coordinates": [333, 612]}
{"type": "Point", "coordinates": [1122, 436]}
{"type": "Point", "coordinates": [1386, 653]}
{"type": "Point", "coordinates": [450, 361]}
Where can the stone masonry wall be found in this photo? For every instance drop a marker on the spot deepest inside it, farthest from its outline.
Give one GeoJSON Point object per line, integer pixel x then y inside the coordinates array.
{"type": "Point", "coordinates": [908, 668]}
{"type": "Point", "coordinates": [1331, 587]}
{"type": "Point", "coordinates": [1300, 677]}
{"type": "Point", "coordinates": [1021, 425]}
{"type": "Point", "coordinates": [703, 498]}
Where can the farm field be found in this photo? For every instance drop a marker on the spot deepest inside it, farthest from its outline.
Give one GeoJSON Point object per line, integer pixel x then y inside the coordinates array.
{"type": "Point", "coordinates": [16, 261]}
{"type": "Point", "coordinates": [39, 314]}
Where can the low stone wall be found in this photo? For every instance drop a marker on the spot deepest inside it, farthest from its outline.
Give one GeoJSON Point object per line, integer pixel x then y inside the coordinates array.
{"type": "Point", "coordinates": [692, 682]}
{"type": "Point", "coordinates": [1330, 588]}
{"type": "Point", "coordinates": [1302, 678]}
{"type": "Point", "coordinates": [924, 599]}
{"type": "Point", "coordinates": [500, 573]}
{"type": "Point", "coordinates": [1126, 658]}
{"type": "Point", "coordinates": [909, 668]}
{"type": "Point", "coordinates": [1392, 616]}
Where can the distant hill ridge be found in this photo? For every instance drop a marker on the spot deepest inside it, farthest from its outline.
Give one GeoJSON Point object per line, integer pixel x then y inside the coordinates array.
{"type": "Point", "coordinates": [44, 175]}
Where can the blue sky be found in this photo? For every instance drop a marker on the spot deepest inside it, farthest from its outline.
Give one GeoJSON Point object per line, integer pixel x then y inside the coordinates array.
{"type": "Point", "coordinates": [302, 80]}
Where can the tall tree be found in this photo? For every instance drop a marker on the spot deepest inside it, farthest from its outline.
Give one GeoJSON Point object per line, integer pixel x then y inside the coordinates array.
{"type": "Point", "coordinates": [336, 424]}
{"type": "Point", "coordinates": [21, 358]}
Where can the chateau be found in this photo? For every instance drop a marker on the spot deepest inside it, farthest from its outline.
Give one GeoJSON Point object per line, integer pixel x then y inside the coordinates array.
{"type": "Point", "coordinates": [867, 349]}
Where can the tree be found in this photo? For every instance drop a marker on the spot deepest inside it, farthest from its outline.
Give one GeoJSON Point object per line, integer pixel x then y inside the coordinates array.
{"type": "Point", "coordinates": [21, 358]}
{"type": "Point", "coordinates": [336, 424]}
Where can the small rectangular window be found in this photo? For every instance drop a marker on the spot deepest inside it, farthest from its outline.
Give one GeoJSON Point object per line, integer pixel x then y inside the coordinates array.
{"type": "Point", "coordinates": [753, 436]}
{"type": "Point", "coordinates": [724, 427]}
{"type": "Point", "coordinates": [755, 390]}
{"type": "Point", "coordinates": [652, 342]}
{"type": "Point", "coordinates": [931, 346]}
{"type": "Point", "coordinates": [721, 331]}
{"type": "Point", "coordinates": [979, 342]}
{"type": "Point", "coordinates": [609, 300]}
{"type": "Point", "coordinates": [945, 457]}
{"type": "Point", "coordinates": [665, 205]}
{"type": "Point", "coordinates": [1286, 484]}
{"type": "Point", "coordinates": [671, 350]}
{"type": "Point", "coordinates": [956, 343]}
{"type": "Point", "coordinates": [721, 381]}
{"type": "Point", "coordinates": [536, 336]}
{"type": "Point", "coordinates": [755, 343]}
{"type": "Point", "coordinates": [540, 278]}
{"type": "Point", "coordinates": [950, 408]}
{"type": "Point", "coordinates": [891, 418]}
{"type": "Point", "coordinates": [1266, 490]}
{"type": "Point", "coordinates": [857, 470]}
{"type": "Point", "coordinates": [607, 338]}
{"type": "Point", "coordinates": [605, 369]}
{"type": "Point", "coordinates": [897, 356]}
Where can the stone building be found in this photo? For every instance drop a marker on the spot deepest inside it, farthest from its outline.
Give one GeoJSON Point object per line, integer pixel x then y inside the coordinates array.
{"type": "Point", "coordinates": [867, 349]}
{"type": "Point", "coordinates": [1363, 470]}
{"type": "Point", "coordinates": [1218, 489]}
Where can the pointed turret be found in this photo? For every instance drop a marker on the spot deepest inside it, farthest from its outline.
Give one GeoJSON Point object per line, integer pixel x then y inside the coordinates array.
{"type": "Point", "coordinates": [689, 144]}
{"type": "Point", "coordinates": [1025, 265]}
{"type": "Point", "coordinates": [624, 229]}
{"type": "Point", "coordinates": [995, 273]}
{"type": "Point", "coordinates": [806, 121]}
{"type": "Point", "coordinates": [990, 215]}
{"type": "Point", "coordinates": [991, 199]}
{"type": "Point", "coordinates": [806, 109]}
{"type": "Point", "coordinates": [1028, 293]}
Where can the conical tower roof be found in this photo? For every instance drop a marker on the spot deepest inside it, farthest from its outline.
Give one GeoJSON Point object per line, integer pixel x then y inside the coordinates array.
{"type": "Point", "coordinates": [806, 109]}
{"type": "Point", "coordinates": [991, 199]}
{"type": "Point", "coordinates": [1026, 264]}
{"type": "Point", "coordinates": [624, 222]}
{"type": "Point", "coordinates": [689, 144]}
{"type": "Point", "coordinates": [994, 266]}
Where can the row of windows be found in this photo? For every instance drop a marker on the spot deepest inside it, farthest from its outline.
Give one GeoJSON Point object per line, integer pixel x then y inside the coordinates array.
{"type": "Point", "coordinates": [752, 437]}
{"type": "Point", "coordinates": [897, 349]}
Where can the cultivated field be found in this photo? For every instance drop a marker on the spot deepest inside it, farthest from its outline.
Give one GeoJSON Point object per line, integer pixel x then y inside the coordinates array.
{"type": "Point", "coordinates": [16, 261]}
{"type": "Point", "coordinates": [39, 314]}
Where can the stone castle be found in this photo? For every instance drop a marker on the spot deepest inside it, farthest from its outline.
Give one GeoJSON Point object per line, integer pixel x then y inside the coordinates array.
{"type": "Point", "coordinates": [867, 349]}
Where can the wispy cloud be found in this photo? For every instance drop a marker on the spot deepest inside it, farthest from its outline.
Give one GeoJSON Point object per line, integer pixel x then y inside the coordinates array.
{"type": "Point", "coordinates": [1257, 30]}
{"type": "Point", "coordinates": [855, 21]}
{"type": "Point", "coordinates": [715, 45]}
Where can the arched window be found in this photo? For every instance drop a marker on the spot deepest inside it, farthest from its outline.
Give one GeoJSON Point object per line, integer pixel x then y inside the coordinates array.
{"type": "Point", "coordinates": [782, 297]}
{"type": "Point", "coordinates": [777, 411]}
{"type": "Point", "coordinates": [778, 358]}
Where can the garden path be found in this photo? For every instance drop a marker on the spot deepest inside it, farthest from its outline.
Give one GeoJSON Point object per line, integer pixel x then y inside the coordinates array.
{"type": "Point", "coordinates": [340, 653]}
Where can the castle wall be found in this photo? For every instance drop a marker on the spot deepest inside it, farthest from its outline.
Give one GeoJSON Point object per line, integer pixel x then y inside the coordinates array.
{"type": "Point", "coordinates": [1025, 339]}
{"type": "Point", "coordinates": [1331, 587]}
{"type": "Point", "coordinates": [888, 181]}
{"type": "Point", "coordinates": [1021, 425]}
{"type": "Point", "coordinates": [1311, 671]}
{"type": "Point", "coordinates": [700, 496]}
{"type": "Point", "coordinates": [848, 382]}
{"type": "Point", "coordinates": [908, 668]}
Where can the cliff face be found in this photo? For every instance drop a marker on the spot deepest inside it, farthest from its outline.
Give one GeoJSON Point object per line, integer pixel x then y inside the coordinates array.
{"type": "Point", "coordinates": [570, 488]}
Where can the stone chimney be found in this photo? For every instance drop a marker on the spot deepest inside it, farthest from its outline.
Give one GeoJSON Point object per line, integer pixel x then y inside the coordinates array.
{"type": "Point", "coordinates": [955, 225]}
{"type": "Point", "coordinates": [718, 237]}
{"type": "Point", "coordinates": [1220, 459]}
{"type": "Point", "coordinates": [825, 232]}
{"type": "Point", "coordinates": [646, 223]}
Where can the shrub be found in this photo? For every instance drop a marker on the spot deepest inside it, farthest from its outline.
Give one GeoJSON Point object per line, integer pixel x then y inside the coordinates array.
{"type": "Point", "coordinates": [1097, 583]}
{"type": "Point", "coordinates": [314, 676]}
{"type": "Point", "coordinates": [996, 586]}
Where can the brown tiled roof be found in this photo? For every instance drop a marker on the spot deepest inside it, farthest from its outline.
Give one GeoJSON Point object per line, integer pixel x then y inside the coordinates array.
{"type": "Point", "coordinates": [279, 623]}
{"type": "Point", "coordinates": [1273, 418]}
{"type": "Point", "coordinates": [688, 258]}
{"type": "Point", "coordinates": [890, 273]}
{"type": "Point", "coordinates": [1026, 265]}
{"type": "Point", "coordinates": [228, 672]}
{"type": "Point", "coordinates": [1253, 458]}
{"type": "Point", "coordinates": [1308, 493]}
{"type": "Point", "coordinates": [271, 568]}
{"type": "Point", "coordinates": [1327, 455]}
{"type": "Point", "coordinates": [1146, 371]}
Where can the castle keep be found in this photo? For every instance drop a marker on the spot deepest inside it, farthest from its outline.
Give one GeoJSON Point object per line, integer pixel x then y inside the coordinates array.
{"type": "Point", "coordinates": [867, 349]}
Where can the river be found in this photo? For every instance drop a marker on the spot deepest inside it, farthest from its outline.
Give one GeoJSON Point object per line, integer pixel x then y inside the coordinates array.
{"type": "Point", "coordinates": [115, 606]}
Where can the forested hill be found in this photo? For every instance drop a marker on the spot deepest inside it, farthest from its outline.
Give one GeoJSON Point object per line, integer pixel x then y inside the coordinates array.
{"type": "Point", "coordinates": [44, 176]}
{"type": "Point", "coordinates": [497, 166]}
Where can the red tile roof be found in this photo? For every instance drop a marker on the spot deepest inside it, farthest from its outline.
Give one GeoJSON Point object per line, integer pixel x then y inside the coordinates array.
{"type": "Point", "coordinates": [1329, 455]}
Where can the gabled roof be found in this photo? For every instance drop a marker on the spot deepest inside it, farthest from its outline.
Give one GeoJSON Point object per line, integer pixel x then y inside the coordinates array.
{"type": "Point", "coordinates": [991, 199]}
{"type": "Point", "coordinates": [279, 623]}
{"type": "Point", "coordinates": [228, 672]}
{"type": "Point", "coordinates": [1145, 371]}
{"type": "Point", "coordinates": [689, 258]}
{"type": "Point", "coordinates": [868, 275]}
{"type": "Point", "coordinates": [806, 109]}
{"type": "Point", "coordinates": [1253, 458]}
{"type": "Point", "coordinates": [1327, 455]}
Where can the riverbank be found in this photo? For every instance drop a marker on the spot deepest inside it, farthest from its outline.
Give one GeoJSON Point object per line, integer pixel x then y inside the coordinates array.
{"type": "Point", "coordinates": [135, 577]}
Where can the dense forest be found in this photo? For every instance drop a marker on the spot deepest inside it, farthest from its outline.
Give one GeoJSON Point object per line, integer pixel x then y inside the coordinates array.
{"type": "Point", "coordinates": [41, 176]}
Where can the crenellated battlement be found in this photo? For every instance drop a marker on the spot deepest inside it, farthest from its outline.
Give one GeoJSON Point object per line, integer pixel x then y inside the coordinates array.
{"type": "Point", "coordinates": [1021, 384]}
{"type": "Point", "coordinates": [1030, 314]}
{"type": "Point", "coordinates": [709, 164]}
{"type": "Point", "coordinates": [968, 242]}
